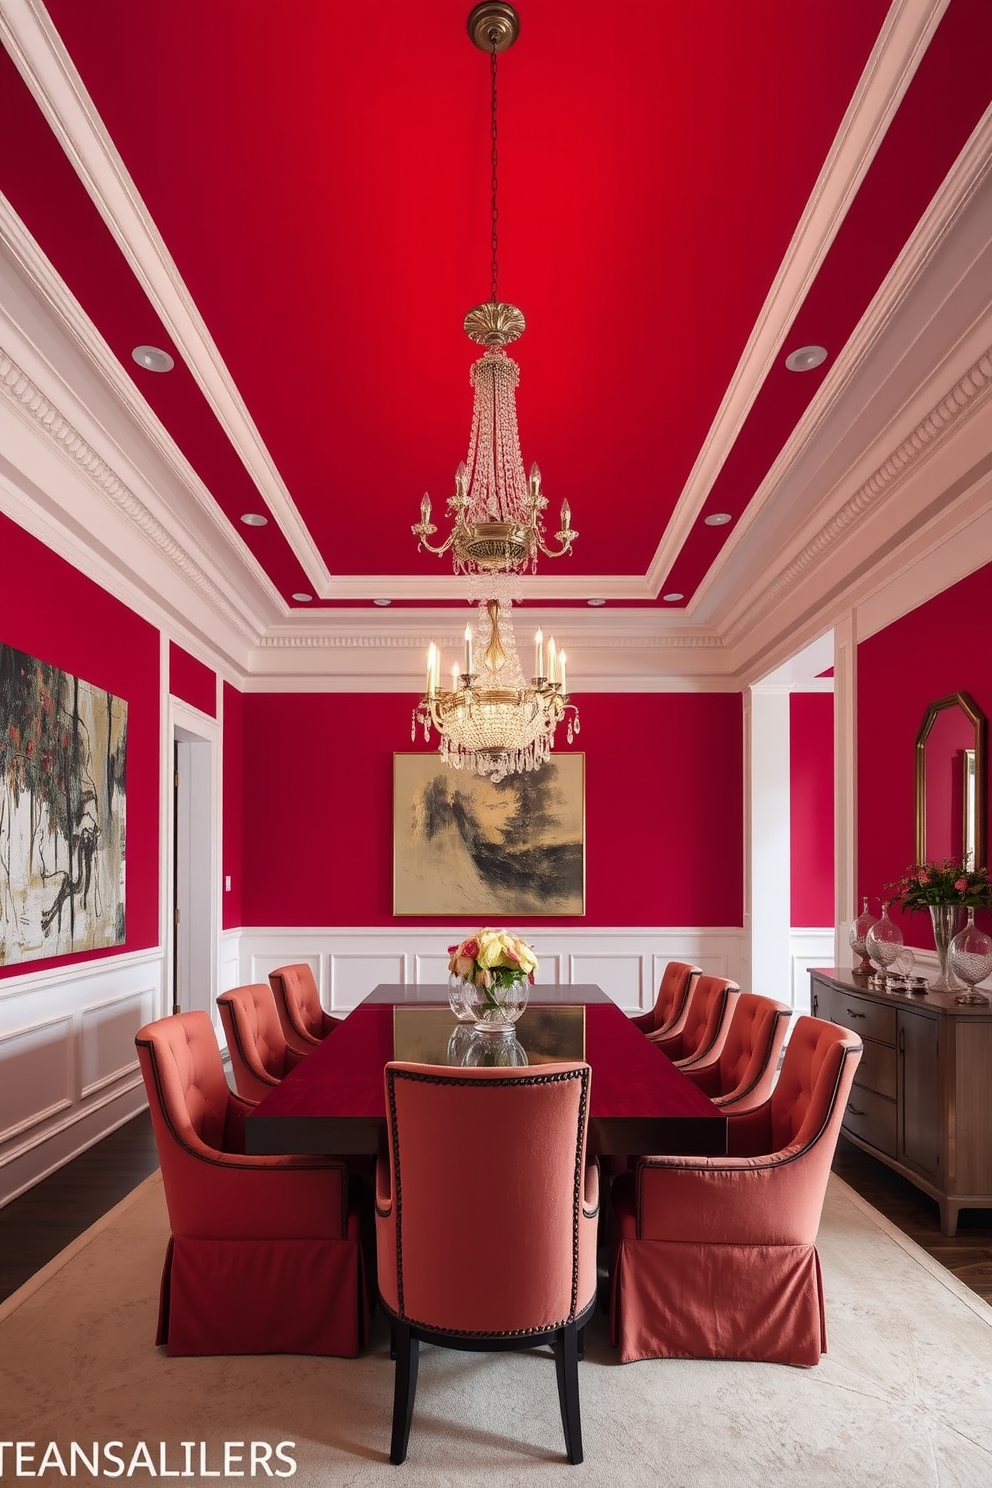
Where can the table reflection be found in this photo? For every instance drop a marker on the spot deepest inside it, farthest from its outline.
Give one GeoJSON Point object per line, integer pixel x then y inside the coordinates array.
{"type": "Point", "coordinates": [542, 1035]}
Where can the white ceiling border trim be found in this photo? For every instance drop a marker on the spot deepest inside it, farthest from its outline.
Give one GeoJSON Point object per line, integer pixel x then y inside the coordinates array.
{"type": "Point", "coordinates": [48, 71]}
{"type": "Point", "coordinates": [902, 42]}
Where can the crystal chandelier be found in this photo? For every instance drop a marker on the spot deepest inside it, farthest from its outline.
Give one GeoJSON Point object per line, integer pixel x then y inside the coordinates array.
{"type": "Point", "coordinates": [491, 720]}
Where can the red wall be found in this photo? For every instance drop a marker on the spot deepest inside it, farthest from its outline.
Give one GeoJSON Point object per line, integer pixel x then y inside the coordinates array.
{"type": "Point", "coordinates": [234, 806]}
{"type": "Point", "coordinates": [939, 648]}
{"type": "Point", "coordinates": [52, 611]}
{"type": "Point", "coordinates": [664, 808]}
{"type": "Point", "coordinates": [811, 754]}
{"type": "Point", "coordinates": [190, 680]}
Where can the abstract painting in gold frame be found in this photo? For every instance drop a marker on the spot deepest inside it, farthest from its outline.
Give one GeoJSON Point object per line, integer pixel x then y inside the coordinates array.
{"type": "Point", "coordinates": [464, 846]}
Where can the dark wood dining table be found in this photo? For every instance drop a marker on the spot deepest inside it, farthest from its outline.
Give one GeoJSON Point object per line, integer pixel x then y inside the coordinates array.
{"type": "Point", "coordinates": [334, 1100]}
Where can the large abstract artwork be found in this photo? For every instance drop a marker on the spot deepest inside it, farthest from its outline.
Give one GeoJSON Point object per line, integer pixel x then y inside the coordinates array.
{"type": "Point", "coordinates": [63, 747]}
{"type": "Point", "coordinates": [464, 846]}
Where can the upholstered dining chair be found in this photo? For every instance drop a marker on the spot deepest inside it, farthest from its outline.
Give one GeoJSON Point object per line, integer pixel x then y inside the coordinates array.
{"type": "Point", "coordinates": [260, 1055]}
{"type": "Point", "coordinates": [706, 1024]}
{"type": "Point", "coordinates": [265, 1254]}
{"type": "Point", "coordinates": [715, 1257]}
{"type": "Point", "coordinates": [672, 1003]}
{"type": "Point", "coordinates": [744, 1072]}
{"type": "Point", "coordinates": [486, 1219]}
{"type": "Point", "coordinates": [304, 1021]}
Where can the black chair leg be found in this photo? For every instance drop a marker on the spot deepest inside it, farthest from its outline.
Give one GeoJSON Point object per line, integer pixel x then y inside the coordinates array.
{"type": "Point", "coordinates": [567, 1369]}
{"type": "Point", "coordinates": [405, 1389]}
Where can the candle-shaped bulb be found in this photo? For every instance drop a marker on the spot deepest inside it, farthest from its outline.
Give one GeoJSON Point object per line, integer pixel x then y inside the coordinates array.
{"type": "Point", "coordinates": [425, 508]}
{"type": "Point", "coordinates": [456, 676]}
{"type": "Point", "coordinates": [431, 668]}
{"type": "Point", "coordinates": [561, 670]}
{"type": "Point", "coordinates": [468, 649]}
{"type": "Point", "coordinates": [566, 517]}
{"type": "Point", "coordinates": [539, 654]}
{"type": "Point", "coordinates": [552, 660]}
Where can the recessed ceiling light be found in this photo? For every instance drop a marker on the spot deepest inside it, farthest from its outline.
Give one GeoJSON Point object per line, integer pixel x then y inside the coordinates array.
{"type": "Point", "coordinates": [672, 598]}
{"type": "Point", "coordinates": [382, 602]}
{"type": "Point", "coordinates": [595, 602]}
{"type": "Point", "coordinates": [153, 358]}
{"type": "Point", "coordinates": [253, 519]}
{"type": "Point", "coordinates": [805, 358]}
{"type": "Point", "coordinates": [302, 598]}
{"type": "Point", "coordinates": [718, 519]}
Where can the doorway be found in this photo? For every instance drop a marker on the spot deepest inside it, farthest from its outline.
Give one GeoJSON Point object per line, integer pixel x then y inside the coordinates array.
{"type": "Point", "coordinates": [193, 981]}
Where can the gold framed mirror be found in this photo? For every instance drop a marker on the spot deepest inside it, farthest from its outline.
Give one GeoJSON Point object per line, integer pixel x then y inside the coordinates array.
{"type": "Point", "coordinates": [951, 762]}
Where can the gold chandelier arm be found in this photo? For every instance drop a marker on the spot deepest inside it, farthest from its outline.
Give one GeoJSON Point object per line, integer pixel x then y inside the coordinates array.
{"type": "Point", "coordinates": [566, 537]}
{"type": "Point", "coordinates": [422, 531]}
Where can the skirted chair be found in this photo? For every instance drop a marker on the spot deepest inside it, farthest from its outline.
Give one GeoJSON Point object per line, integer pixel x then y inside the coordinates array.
{"type": "Point", "coordinates": [706, 1024]}
{"type": "Point", "coordinates": [304, 1021]}
{"type": "Point", "coordinates": [714, 1257]}
{"type": "Point", "coordinates": [744, 1072]}
{"type": "Point", "coordinates": [486, 1219]}
{"type": "Point", "coordinates": [260, 1055]}
{"type": "Point", "coordinates": [672, 1003]}
{"type": "Point", "coordinates": [265, 1254]}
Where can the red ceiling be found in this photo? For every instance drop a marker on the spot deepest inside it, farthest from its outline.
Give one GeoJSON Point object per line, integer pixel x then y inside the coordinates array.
{"type": "Point", "coordinates": [319, 173]}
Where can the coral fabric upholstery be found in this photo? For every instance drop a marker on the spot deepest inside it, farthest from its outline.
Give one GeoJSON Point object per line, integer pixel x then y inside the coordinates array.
{"type": "Point", "coordinates": [260, 1056]}
{"type": "Point", "coordinates": [304, 1021]}
{"type": "Point", "coordinates": [672, 1003]}
{"type": "Point", "coordinates": [706, 1023]}
{"type": "Point", "coordinates": [486, 1218]}
{"type": "Point", "coordinates": [744, 1073]}
{"type": "Point", "coordinates": [714, 1258]}
{"type": "Point", "coordinates": [265, 1254]}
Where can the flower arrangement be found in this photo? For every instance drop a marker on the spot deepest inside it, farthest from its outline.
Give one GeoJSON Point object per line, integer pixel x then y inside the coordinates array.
{"type": "Point", "coordinates": [493, 959]}
{"type": "Point", "coordinates": [946, 882]}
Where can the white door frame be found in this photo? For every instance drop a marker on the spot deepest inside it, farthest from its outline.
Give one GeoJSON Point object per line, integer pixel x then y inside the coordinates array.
{"type": "Point", "coordinates": [192, 861]}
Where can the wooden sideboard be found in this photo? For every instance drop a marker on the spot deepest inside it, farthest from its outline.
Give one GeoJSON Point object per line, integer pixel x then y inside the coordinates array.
{"type": "Point", "coordinates": [922, 1095]}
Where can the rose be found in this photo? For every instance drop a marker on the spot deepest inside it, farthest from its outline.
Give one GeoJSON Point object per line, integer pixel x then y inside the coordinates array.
{"type": "Point", "coordinates": [961, 884]}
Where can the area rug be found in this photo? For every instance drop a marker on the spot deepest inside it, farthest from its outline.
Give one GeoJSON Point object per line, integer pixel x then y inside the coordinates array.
{"type": "Point", "coordinates": [903, 1398]}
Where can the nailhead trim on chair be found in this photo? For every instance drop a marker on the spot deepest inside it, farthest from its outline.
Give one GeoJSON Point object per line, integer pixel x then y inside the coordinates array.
{"type": "Point", "coordinates": [432, 1079]}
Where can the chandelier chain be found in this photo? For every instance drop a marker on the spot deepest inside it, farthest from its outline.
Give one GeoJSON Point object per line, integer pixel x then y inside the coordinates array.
{"type": "Point", "coordinates": [493, 208]}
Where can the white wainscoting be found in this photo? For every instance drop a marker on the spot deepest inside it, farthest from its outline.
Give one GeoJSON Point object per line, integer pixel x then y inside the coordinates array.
{"type": "Point", "coordinates": [626, 963]}
{"type": "Point", "coordinates": [808, 948]}
{"type": "Point", "coordinates": [68, 1067]}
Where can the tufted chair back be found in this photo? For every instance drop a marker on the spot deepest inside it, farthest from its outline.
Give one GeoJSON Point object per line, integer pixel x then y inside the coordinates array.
{"type": "Point", "coordinates": [187, 1076]}
{"type": "Point", "coordinates": [707, 1021]}
{"type": "Point", "coordinates": [486, 1217]}
{"type": "Point", "coordinates": [260, 1056]}
{"type": "Point", "coordinates": [743, 1076]}
{"type": "Point", "coordinates": [304, 1021]}
{"type": "Point", "coordinates": [671, 1004]}
{"type": "Point", "coordinates": [804, 1094]}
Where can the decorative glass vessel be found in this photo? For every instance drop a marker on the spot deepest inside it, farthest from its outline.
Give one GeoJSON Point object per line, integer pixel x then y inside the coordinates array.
{"type": "Point", "coordinates": [497, 1048]}
{"type": "Point", "coordinates": [946, 920]}
{"type": "Point", "coordinates": [969, 957]}
{"type": "Point", "coordinates": [488, 1008]}
{"type": "Point", "coordinates": [883, 941]}
{"type": "Point", "coordinates": [859, 931]}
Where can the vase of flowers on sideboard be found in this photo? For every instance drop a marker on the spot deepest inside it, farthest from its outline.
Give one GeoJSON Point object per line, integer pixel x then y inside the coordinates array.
{"type": "Point", "coordinates": [946, 888]}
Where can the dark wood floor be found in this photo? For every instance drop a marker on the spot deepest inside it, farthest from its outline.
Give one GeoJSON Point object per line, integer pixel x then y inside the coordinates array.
{"type": "Point", "coordinates": [36, 1226]}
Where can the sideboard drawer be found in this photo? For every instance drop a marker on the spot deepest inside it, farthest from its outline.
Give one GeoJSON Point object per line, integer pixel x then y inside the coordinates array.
{"type": "Point", "coordinates": [869, 1019]}
{"type": "Point", "coordinates": [878, 1068]}
{"type": "Point", "coordinates": [872, 1118]}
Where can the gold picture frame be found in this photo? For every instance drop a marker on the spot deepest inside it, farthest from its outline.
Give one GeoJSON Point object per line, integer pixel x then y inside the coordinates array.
{"type": "Point", "coordinates": [464, 847]}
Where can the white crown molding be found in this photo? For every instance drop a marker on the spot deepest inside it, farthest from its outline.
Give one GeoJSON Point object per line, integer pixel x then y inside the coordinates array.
{"type": "Point", "coordinates": [60, 304]}
{"type": "Point", "coordinates": [21, 392]}
{"type": "Point", "coordinates": [902, 42]}
{"type": "Point", "coordinates": [48, 71]}
{"type": "Point", "coordinates": [958, 195]}
{"type": "Point", "coordinates": [970, 394]}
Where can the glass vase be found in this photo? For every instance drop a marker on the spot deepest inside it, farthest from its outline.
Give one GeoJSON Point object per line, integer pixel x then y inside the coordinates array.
{"type": "Point", "coordinates": [969, 957]}
{"type": "Point", "coordinates": [946, 920]}
{"type": "Point", "coordinates": [490, 1009]}
{"type": "Point", "coordinates": [883, 941]}
{"type": "Point", "coordinates": [859, 930]}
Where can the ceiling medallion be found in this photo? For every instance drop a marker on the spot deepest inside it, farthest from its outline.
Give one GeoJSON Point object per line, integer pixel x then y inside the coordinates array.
{"type": "Point", "coordinates": [491, 720]}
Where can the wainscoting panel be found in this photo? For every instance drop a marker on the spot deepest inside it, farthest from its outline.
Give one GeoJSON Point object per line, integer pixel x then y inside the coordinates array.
{"type": "Point", "coordinates": [68, 1069]}
{"type": "Point", "coordinates": [626, 963]}
{"type": "Point", "coordinates": [808, 949]}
